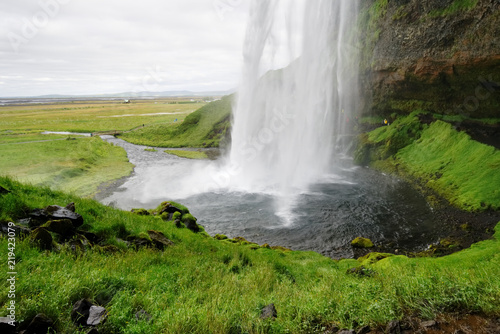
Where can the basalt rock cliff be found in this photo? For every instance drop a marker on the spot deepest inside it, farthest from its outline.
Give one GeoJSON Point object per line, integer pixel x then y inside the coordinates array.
{"type": "Point", "coordinates": [441, 56]}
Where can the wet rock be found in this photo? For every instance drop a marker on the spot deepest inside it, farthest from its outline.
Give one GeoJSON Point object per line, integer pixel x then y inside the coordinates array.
{"type": "Point", "coordinates": [159, 239]}
{"type": "Point", "coordinates": [143, 315]}
{"type": "Point", "coordinates": [190, 222]}
{"type": "Point", "coordinates": [54, 212]}
{"type": "Point", "coordinates": [3, 191]}
{"type": "Point", "coordinates": [6, 327]}
{"type": "Point", "coordinates": [269, 312]}
{"type": "Point", "coordinates": [393, 327]}
{"type": "Point", "coordinates": [63, 227]}
{"type": "Point", "coordinates": [40, 324]}
{"type": "Point", "coordinates": [360, 242]}
{"type": "Point", "coordinates": [80, 312]}
{"type": "Point", "coordinates": [71, 207]}
{"type": "Point", "coordinates": [97, 315]}
{"type": "Point", "coordinates": [20, 231]}
{"type": "Point", "coordinates": [41, 238]}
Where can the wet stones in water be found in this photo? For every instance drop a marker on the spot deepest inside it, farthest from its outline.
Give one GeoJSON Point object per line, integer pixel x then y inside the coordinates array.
{"type": "Point", "coordinates": [40, 324]}
{"type": "Point", "coordinates": [269, 312]}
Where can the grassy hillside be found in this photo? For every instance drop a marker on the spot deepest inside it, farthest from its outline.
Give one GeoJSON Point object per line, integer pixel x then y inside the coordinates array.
{"type": "Point", "coordinates": [79, 165]}
{"type": "Point", "coordinates": [205, 127]}
{"type": "Point", "coordinates": [463, 171]}
{"type": "Point", "coordinates": [205, 285]}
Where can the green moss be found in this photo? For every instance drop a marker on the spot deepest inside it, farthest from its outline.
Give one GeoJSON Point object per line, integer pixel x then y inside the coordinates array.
{"type": "Point", "coordinates": [188, 154]}
{"type": "Point", "coordinates": [220, 237]}
{"type": "Point", "coordinates": [150, 150]}
{"type": "Point", "coordinates": [361, 242]}
{"type": "Point", "coordinates": [454, 7]}
{"type": "Point", "coordinates": [373, 257]}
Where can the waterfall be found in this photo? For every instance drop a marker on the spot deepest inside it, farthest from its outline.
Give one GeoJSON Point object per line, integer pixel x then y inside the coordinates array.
{"type": "Point", "coordinates": [288, 123]}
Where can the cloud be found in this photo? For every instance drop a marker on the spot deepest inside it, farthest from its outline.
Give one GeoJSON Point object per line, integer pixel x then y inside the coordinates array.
{"type": "Point", "coordinates": [90, 46]}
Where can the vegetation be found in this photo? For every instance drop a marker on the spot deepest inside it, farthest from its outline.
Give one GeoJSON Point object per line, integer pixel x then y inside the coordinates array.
{"type": "Point", "coordinates": [454, 7]}
{"type": "Point", "coordinates": [79, 165]}
{"type": "Point", "coordinates": [206, 127]}
{"type": "Point", "coordinates": [188, 154]}
{"type": "Point", "coordinates": [434, 154]}
{"type": "Point", "coordinates": [205, 285]}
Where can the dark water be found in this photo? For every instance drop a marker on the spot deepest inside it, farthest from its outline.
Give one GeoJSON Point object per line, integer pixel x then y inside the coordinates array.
{"type": "Point", "coordinates": [347, 203]}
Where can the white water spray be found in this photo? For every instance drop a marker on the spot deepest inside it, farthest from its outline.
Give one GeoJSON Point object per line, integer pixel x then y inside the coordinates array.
{"type": "Point", "coordinates": [288, 123]}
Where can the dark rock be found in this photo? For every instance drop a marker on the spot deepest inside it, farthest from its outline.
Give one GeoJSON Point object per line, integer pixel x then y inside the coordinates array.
{"type": "Point", "coordinates": [139, 241]}
{"type": "Point", "coordinates": [3, 191]}
{"type": "Point", "coordinates": [429, 323]}
{"type": "Point", "coordinates": [190, 222]}
{"type": "Point", "coordinates": [269, 311]}
{"type": "Point", "coordinates": [80, 312]}
{"type": "Point", "coordinates": [159, 239]}
{"type": "Point", "coordinates": [92, 237]}
{"type": "Point", "coordinates": [54, 212]}
{"type": "Point", "coordinates": [97, 315]}
{"type": "Point", "coordinates": [178, 223]}
{"type": "Point", "coordinates": [393, 327]}
{"type": "Point", "coordinates": [169, 208]}
{"type": "Point", "coordinates": [92, 331]}
{"type": "Point", "coordinates": [332, 329]}
{"type": "Point", "coordinates": [347, 331]}
{"type": "Point", "coordinates": [143, 315]}
{"type": "Point", "coordinates": [6, 327]}
{"type": "Point", "coordinates": [41, 238]}
{"type": "Point", "coordinates": [79, 243]}
{"type": "Point", "coordinates": [363, 330]}
{"type": "Point", "coordinates": [40, 324]}
{"type": "Point", "coordinates": [71, 207]}
{"type": "Point", "coordinates": [63, 227]}
{"type": "Point", "coordinates": [20, 231]}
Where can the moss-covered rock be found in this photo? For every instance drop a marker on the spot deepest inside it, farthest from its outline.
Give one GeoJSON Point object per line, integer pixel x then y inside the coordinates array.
{"type": "Point", "coordinates": [141, 212]}
{"type": "Point", "coordinates": [220, 237]}
{"type": "Point", "coordinates": [41, 238]}
{"type": "Point", "coordinates": [373, 257]}
{"type": "Point", "coordinates": [190, 221]}
{"type": "Point", "coordinates": [361, 242]}
{"type": "Point", "coordinates": [63, 227]}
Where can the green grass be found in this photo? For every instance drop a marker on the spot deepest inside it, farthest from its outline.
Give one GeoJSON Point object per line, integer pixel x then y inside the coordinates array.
{"type": "Point", "coordinates": [454, 7]}
{"type": "Point", "coordinates": [461, 170]}
{"type": "Point", "coordinates": [205, 127]}
{"type": "Point", "coordinates": [188, 154]}
{"type": "Point", "coordinates": [20, 137]}
{"type": "Point", "coordinates": [203, 285]}
{"type": "Point", "coordinates": [79, 165]}
{"type": "Point", "coordinates": [93, 117]}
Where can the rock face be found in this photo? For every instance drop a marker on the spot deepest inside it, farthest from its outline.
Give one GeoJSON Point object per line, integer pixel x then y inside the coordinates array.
{"type": "Point", "coordinates": [431, 55]}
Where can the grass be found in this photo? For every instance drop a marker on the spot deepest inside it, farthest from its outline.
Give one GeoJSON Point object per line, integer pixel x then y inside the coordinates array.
{"type": "Point", "coordinates": [203, 285]}
{"type": "Point", "coordinates": [93, 117]}
{"type": "Point", "coordinates": [461, 170]}
{"type": "Point", "coordinates": [205, 127]}
{"type": "Point", "coordinates": [188, 154]}
{"type": "Point", "coordinates": [79, 165]}
{"type": "Point", "coordinates": [454, 7]}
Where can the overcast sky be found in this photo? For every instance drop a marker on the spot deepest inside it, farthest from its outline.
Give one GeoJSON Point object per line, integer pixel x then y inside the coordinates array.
{"type": "Point", "coordinates": [112, 46]}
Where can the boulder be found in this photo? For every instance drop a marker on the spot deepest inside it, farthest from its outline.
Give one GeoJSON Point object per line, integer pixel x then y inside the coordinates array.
{"type": "Point", "coordinates": [63, 227]}
{"type": "Point", "coordinates": [80, 312]}
{"type": "Point", "coordinates": [97, 315]}
{"type": "Point", "coordinates": [6, 327]}
{"type": "Point", "coordinates": [54, 212]}
{"type": "Point", "coordinates": [159, 239]}
{"type": "Point", "coordinates": [190, 222]}
{"type": "Point", "coordinates": [41, 238]}
{"type": "Point", "coordinates": [269, 312]}
{"type": "Point", "coordinates": [360, 242]}
{"type": "Point", "coordinates": [40, 324]}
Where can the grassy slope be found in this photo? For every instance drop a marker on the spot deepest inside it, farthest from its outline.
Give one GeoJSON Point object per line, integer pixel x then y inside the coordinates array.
{"type": "Point", "coordinates": [202, 285]}
{"type": "Point", "coordinates": [78, 165]}
{"type": "Point", "coordinates": [463, 171]}
{"type": "Point", "coordinates": [203, 128]}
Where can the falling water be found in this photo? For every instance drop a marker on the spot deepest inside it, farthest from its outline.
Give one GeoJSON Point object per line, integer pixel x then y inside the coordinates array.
{"type": "Point", "coordinates": [289, 124]}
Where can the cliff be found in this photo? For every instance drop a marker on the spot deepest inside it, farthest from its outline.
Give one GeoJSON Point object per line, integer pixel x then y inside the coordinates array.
{"type": "Point", "coordinates": [442, 56]}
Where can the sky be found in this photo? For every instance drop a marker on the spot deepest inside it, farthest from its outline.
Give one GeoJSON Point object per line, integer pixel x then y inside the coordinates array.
{"type": "Point", "coordinates": [83, 47]}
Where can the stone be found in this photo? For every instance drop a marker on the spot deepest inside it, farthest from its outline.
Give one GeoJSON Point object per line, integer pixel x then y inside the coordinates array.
{"type": "Point", "coordinates": [79, 243]}
{"type": "Point", "coordinates": [269, 312]}
{"type": "Point", "coordinates": [41, 238]}
{"type": "Point", "coordinates": [54, 212]}
{"type": "Point", "coordinates": [393, 327]}
{"type": "Point", "coordinates": [80, 312]}
{"type": "Point", "coordinates": [347, 331]}
{"type": "Point", "coordinates": [6, 327]}
{"type": "Point", "coordinates": [97, 315]}
{"type": "Point", "coordinates": [169, 208]}
{"type": "Point", "coordinates": [360, 242]}
{"type": "Point", "coordinates": [140, 212]}
{"type": "Point", "coordinates": [63, 227]}
{"type": "Point", "coordinates": [143, 315]}
{"type": "Point", "coordinates": [190, 222]}
{"type": "Point", "coordinates": [159, 239]}
{"type": "Point", "coordinates": [139, 241]}
{"type": "Point", "coordinates": [71, 207]}
{"type": "Point", "coordinates": [429, 323]}
{"type": "Point", "coordinates": [40, 324]}
{"type": "Point", "coordinates": [20, 231]}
